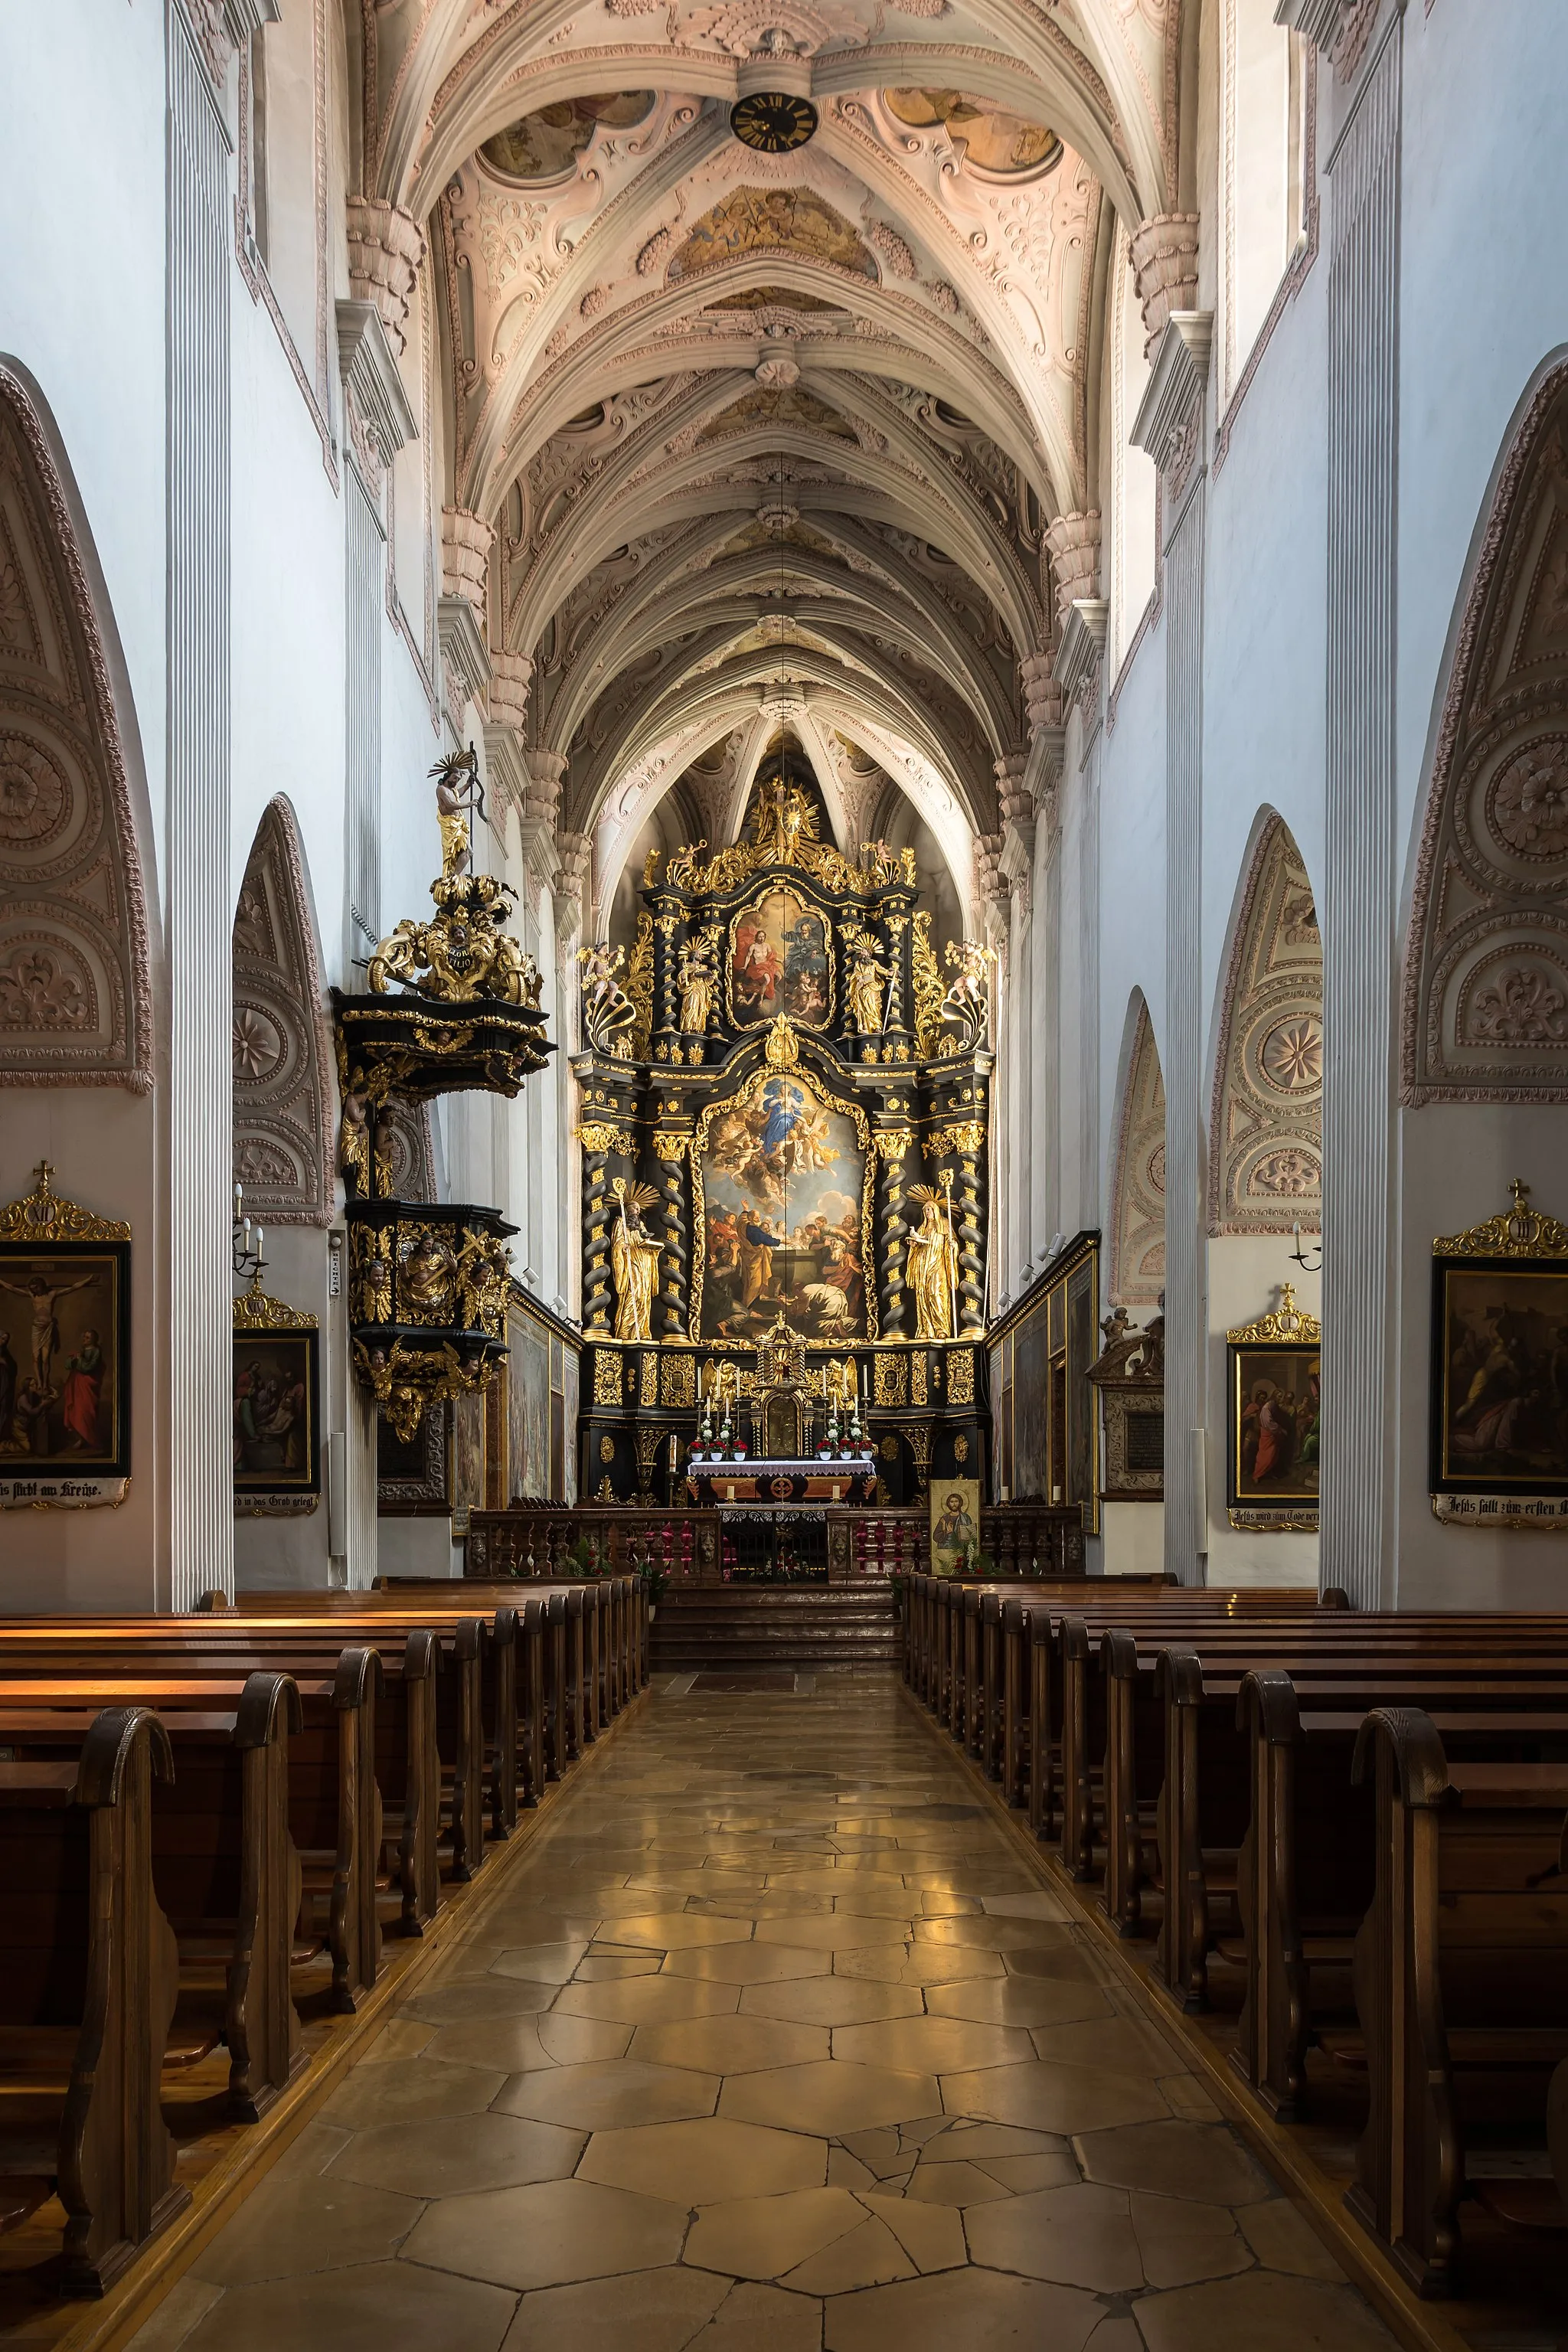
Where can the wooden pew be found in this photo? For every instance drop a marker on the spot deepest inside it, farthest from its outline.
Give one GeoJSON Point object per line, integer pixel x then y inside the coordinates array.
{"type": "Point", "coordinates": [387, 1712]}
{"type": "Point", "coordinates": [1171, 1724]}
{"type": "Point", "coordinates": [87, 1987]}
{"type": "Point", "coordinates": [1461, 1977]}
{"type": "Point", "coordinates": [225, 1866]}
{"type": "Point", "coordinates": [1308, 1855]}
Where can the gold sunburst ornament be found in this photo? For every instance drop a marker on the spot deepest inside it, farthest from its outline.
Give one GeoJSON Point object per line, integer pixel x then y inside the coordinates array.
{"type": "Point", "coordinates": [774, 122]}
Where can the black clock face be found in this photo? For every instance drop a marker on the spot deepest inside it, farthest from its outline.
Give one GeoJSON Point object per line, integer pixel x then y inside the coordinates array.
{"type": "Point", "coordinates": [772, 121]}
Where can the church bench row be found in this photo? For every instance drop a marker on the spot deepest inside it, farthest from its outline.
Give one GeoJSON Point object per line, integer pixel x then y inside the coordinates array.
{"type": "Point", "coordinates": [954, 1653]}
{"type": "Point", "coordinates": [267, 1847]}
{"type": "Point", "coordinates": [1203, 1775]}
{"type": "Point", "coordinates": [587, 1642]}
{"type": "Point", "coordinates": [87, 1990]}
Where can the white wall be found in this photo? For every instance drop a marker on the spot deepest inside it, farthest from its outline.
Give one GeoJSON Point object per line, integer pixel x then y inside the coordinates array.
{"type": "Point", "coordinates": [1482, 305]}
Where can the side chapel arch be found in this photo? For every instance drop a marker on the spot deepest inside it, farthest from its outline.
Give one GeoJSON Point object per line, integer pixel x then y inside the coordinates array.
{"type": "Point", "coordinates": [1138, 1180]}
{"type": "Point", "coordinates": [1266, 1124]}
{"type": "Point", "coordinates": [282, 1095]}
{"type": "Point", "coordinates": [1486, 975]}
{"type": "Point", "coordinates": [74, 991]}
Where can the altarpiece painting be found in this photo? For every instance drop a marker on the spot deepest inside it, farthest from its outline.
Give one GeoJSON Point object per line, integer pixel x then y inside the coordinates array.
{"type": "Point", "coordinates": [782, 1199]}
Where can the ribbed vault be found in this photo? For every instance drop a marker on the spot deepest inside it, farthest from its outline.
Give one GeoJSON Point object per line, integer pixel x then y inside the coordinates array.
{"type": "Point", "coordinates": [739, 440]}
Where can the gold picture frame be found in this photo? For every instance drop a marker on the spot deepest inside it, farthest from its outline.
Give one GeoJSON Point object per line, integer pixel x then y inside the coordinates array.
{"type": "Point", "coordinates": [1275, 1421]}
{"type": "Point", "coordinates": [1499, 1392]}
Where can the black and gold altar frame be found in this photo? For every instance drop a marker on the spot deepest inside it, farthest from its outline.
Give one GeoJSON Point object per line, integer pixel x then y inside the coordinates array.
{"type": "Point", "coordinates": [899, 1050]}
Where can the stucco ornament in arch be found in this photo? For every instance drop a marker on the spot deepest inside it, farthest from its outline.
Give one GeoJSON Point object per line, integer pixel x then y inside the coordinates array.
{"type": "Point", "coordinates": [75, 995]}
{"type": "Point", "coordinates": [282, 1093]}
{"type": "Point", "coordinates": [1266, 1131]}
{"type": "Point", "coordinates": [1485, 982]}
{"type": "Point", "coordinates": [1138, 1182]}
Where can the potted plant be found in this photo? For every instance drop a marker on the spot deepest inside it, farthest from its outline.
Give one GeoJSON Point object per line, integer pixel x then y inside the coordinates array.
{"type": "Point", "coordinates": [654, 1580]}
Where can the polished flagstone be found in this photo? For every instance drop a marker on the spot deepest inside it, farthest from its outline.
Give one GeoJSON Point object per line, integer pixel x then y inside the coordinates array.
{"type": "Point", "coordinates": [773, 2044]}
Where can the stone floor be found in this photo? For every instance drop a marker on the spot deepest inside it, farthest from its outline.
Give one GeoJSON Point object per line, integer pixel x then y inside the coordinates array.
{"type": "Point", "coordinates": [774, 2044]}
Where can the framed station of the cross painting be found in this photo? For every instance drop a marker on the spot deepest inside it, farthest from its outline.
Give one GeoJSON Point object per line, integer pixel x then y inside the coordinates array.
{"type": "Point", "coordinates": [1499, 1372]}
{"type": "Point", "coordinates": [65, 1353]}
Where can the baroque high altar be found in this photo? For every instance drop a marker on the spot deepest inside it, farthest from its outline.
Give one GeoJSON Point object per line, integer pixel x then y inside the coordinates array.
{"type": "Point", "coordinates": [784, 1105]}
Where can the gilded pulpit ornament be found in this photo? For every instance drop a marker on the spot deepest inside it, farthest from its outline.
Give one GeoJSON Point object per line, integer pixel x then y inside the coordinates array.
{"type": "Point", "coordinates": [465, 1011]}
{"type": "Point", "coordinates": [463, 953]}
{"type": "Point", "coordinates": [931, 1259]}
{"type": "Point", "coordinates": [634, 1261]}
{"type": "Point", "coordinates": [453, 1003]}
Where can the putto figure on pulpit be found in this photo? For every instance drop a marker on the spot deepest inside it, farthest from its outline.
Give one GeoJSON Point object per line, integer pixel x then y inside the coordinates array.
{"type": "Point", "coordinates": [634, 1261]}
{"type": "Point", "coordinates": [932, 1265]}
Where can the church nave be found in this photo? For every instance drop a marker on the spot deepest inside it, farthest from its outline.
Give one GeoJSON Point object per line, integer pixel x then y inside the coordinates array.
{"type": "Point", "coordinates": [772, 2041]}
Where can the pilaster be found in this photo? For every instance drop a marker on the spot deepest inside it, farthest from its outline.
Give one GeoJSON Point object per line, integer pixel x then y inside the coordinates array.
{"type": "Point", "coordinates": [1170, 426]}
{"type": "Point", "coordinates": [1360, 908]}
{"type": "Point", "coordinates": [200, 899]}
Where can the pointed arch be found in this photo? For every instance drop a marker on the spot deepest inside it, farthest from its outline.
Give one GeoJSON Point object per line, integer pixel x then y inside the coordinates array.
{"type": "Point", "coordinates": [282, 1094]}
{"type": "Point", "coordinates": [1486, 972]}
{"type": "Point", "coordinates": [75, 989]}
{"type": "Point", "coordinates": [1266, 1124]}
{"type": "Point", "coordinates": [1138, 1177]}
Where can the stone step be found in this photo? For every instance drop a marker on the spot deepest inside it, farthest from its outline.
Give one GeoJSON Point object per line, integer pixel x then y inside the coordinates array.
{"type": "Point", "coordinates": [773, 1625]}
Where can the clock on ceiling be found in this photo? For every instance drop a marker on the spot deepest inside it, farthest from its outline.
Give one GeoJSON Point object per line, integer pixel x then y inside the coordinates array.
{"type": "Point", "coordinates": [774, 122]}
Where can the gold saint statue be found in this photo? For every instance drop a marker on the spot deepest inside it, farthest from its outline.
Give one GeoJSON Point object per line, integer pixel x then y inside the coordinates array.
{"type": "Point", "coordinates": [634, 1261]}
{"type": "Point", "coordinates": [864, 983]}
{"type": "Point", "coordinates": [932, 1266]}
{"type": "Point", "coordinates": [698, 979]}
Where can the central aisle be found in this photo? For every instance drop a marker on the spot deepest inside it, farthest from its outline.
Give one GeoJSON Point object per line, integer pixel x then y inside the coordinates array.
{"type": "Point", "coordinates": [774, 2044]}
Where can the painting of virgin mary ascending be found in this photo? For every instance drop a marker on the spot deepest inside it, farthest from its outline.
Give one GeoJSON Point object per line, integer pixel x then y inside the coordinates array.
{"type": "Point", "coordinates": [783, 1174]}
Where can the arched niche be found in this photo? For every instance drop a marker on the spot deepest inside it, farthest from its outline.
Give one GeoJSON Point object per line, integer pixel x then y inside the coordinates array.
{"type": "Point", "coordinates": [75, 995]}
{"type": "Point", "coordinates": [1265, 1125]}
{"type": "Point", "coordinates": [1138, 1182]}
{"type": "Point", "coordinates": [283, 1095]}
{"type": "Point", "coordinates": [1486, 977]}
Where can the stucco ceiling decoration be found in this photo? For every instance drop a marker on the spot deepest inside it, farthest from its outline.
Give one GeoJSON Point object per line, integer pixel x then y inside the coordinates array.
{"type": "Point", "coordinates": [1137, 1184]}
{"type": "Point", "coordinates": [282, 1096]}
{"type": "Point", "coordinates": [1486, 1009]}
{"type": "Point", "coordinates": [74, 1006]}
{"type": "Point", "coordinates": [1266, 1135]}
{"type": "Point", "coordinates": [793, 420]}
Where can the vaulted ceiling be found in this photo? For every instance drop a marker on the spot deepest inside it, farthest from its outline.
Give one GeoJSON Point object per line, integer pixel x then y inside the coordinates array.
{"type": "Point", "coordinates": [772, 438]}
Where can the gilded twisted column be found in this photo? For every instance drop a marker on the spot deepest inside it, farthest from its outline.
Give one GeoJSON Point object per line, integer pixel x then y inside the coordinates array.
{"type": "Point", "coordinates": [892, 1146]}
{"type": "Point", "coordinates": [599, 1141]}
{"type": "Point", "coordinates": [967, 1141]}
{"type": "Point", "coordinates": [671, 1150]}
